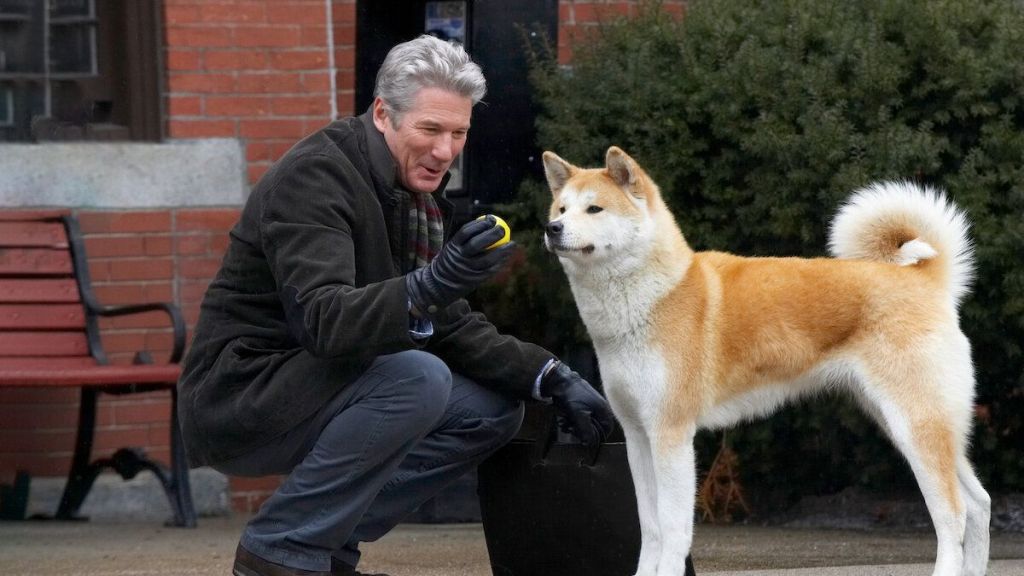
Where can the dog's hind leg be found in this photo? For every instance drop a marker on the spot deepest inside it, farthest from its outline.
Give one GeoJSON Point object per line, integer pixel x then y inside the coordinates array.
{"type": "Point", "coordinates": [979, 506]}
{"type": "Point", "coordinates": [641, 466]}
{"type": "Point", "coordinates": [675, 471]}
{"type": "Point", "coordinates": [924, 435]}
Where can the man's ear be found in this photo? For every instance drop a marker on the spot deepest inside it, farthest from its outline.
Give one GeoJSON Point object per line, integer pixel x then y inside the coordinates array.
{"type": "Point", "coordinates": [558, 171]}
{"type": "Point", "coordinates": [380, 115]}
{"type": "Point", "coordinates": [623, 170]}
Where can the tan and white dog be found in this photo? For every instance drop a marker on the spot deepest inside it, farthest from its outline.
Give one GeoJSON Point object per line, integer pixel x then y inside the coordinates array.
{"type": "Point", "coordinates": [689, 340]}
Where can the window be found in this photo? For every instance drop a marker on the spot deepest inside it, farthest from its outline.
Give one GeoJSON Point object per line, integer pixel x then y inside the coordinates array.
{"type": "Point", "coordinates": [79, 70]}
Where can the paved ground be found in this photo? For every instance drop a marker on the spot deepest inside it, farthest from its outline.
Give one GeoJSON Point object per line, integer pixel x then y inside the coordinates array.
{"type": "Point", "coordinates": [147, 549]}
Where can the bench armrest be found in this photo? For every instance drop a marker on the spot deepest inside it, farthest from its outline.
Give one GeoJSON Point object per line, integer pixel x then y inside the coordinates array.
{"type": "Point", "coordinates": [177, 320]}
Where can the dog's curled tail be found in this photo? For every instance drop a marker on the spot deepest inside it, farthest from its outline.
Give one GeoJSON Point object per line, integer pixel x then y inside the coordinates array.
{"type": "Point", "coordinates": [909, 225]}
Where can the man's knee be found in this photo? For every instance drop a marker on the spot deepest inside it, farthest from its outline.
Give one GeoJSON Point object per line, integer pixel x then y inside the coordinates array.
{"type": "Point", "coordinates": [421, 382]}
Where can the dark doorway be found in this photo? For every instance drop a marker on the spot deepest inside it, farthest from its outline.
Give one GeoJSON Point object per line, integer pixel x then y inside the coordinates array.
{"type": "Point", "coordinates": [500, 152]}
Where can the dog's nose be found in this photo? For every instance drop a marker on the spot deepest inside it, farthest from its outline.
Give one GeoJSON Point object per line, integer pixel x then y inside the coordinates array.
{"type": "Point", "coordinates": [554, 228]}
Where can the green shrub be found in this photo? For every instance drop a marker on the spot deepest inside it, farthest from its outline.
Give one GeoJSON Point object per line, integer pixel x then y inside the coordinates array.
{"type": "Point", "coordinates": [757, 118]}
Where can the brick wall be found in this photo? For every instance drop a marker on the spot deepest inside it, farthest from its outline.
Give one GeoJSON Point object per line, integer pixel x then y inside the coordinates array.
{"type": "Point", "coordinates": [578, 18]}
{"type": "Point", "coordinates": [258, 70]}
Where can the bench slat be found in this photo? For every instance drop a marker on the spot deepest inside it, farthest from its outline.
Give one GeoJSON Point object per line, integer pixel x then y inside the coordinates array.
{"type": "Point", "coordinates": [33, 234]}
{"type": "Point", "coordinates": [56, 362]}
{"type": "Point", "coordinates": [38, 290]}
{"type": "Point", "coordinates": [44, 344]}
{"type": "Point", "coordinates": [41, 316]}
{"type": "Point", "coordinates": [29, 261]}
{"type": "Point", "coordinates": [93, 376]}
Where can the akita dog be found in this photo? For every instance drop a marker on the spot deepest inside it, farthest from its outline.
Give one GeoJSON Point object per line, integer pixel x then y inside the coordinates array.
{"type": "Point", "coordinates": [690, 339]}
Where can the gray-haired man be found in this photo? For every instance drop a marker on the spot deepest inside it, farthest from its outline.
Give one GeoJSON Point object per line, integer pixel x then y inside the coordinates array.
{"type": "Point", "coordinates": [334, 344]}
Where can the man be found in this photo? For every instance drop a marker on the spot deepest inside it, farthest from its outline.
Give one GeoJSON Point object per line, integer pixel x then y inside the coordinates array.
{"type": "Point", "coordinates": [334, 344]}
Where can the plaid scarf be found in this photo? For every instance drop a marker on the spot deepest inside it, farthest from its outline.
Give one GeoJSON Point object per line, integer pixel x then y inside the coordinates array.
{"type": "Point", "coordinates": [425, 230]}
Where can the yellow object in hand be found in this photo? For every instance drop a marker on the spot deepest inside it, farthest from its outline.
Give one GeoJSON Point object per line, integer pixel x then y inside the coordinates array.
{"type": "Point", "coordinates": [499, 222]}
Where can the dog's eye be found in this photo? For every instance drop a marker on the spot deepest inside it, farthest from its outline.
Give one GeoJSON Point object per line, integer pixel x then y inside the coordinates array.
{"type": "Point", "coordinates": [594, 209]}
{"type": "Point", "coordinates": [561, 210]}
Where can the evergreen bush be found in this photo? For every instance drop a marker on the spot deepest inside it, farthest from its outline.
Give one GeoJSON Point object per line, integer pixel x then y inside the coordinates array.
{"type": "Point", "coordinates": [757, 118]}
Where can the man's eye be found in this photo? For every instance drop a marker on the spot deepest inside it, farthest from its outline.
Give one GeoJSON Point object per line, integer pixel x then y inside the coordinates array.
{"type": "Point", "coordinates": [458, 135]}
{"type": "Point", "coordinates": [594, 209]}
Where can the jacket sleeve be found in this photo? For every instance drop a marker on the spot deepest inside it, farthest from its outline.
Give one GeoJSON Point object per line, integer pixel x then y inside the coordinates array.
{"type": "Point", "coordinates": [473, 347]}
{"type": "Point", "coordinates": [307, 233]}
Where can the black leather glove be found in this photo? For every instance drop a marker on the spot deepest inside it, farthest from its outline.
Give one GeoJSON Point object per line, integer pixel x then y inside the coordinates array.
{"type": "Point", "coordinates": [463, 264]}
{"type": "Point", "coordinates": [582, 411]}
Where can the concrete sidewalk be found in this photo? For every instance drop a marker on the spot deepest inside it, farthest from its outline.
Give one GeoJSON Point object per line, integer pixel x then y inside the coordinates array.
{"type": "Point", "coordinates": [105, 548]}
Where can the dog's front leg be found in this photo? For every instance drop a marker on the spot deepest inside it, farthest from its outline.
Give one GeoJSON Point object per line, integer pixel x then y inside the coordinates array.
{"type": "Point", "coordinates": [641, 466]}
{"type": "Point", "coordinates": [676, 476]}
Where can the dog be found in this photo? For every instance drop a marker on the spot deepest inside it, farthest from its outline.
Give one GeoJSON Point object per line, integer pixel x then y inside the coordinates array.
{"type": "Point", "coordinates": [688, 340]}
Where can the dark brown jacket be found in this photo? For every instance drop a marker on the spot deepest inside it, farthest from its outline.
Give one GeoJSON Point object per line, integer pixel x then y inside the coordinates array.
{"type": "Point", "coordinates": [309, 283]}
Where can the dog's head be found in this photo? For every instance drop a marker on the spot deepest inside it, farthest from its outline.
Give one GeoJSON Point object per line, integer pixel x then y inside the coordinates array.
{"type": "Point", "coordinates": [599, 213]}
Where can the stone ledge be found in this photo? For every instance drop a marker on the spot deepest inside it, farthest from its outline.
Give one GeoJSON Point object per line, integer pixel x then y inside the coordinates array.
{"type": "Point", "coordinates": [141, 498]}
{"type": "Point", "coordinates": [176, 173]}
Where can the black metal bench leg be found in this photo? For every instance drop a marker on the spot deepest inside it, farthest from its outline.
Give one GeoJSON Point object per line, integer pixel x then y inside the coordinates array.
{"type": "Point", "coordinates": [82, 475]}
{"type": "Point", "coordinates": [180, 489]}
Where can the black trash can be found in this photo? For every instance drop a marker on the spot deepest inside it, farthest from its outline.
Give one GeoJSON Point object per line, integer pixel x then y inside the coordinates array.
{"type": "Point", "coordinates": [559, 509]}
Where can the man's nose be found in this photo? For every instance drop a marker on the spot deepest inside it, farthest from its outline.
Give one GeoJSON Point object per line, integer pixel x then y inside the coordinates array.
{"type": "Point", "coordinates": [446, 148]}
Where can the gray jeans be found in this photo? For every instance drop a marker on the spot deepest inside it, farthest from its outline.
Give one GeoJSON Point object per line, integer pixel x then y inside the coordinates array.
{"type": "Point", "coordinates": [385, 444]}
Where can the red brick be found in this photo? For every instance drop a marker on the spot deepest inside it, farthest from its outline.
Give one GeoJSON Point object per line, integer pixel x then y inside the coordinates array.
{"type": "Point", "coordinates": [143, 412]}
{"type": "Point", "coordinates": [141, 269]}
{"type": "Point", "coordinates": [271, 83]}
{"type": "Point", "coordinates": [192, 244]}
{"type": "Point", "coordinates": [247, 12]}
{"type": "Point", "coordinates": [271, 129]}
{"type": "Point", "coordinates": [111, 439]}
{"type": "Point", "coordinates": [237, 106]}
{"type": "Point", "coordinates": [200, 83]}
{"type": "Point", "coordinates": [201, 128]}
{"type": "Point", "coordinates": [111, 246]}
{"type": "Point", "coordinates": [346, 104]}
{"type": "Point", "coordinates": [287, 13]}
{"type": "Point", "coordinates": [343, 12]}
{"type": "Point", "coordinates": [198, 37]}
{"type": "Point", "coordinates": [313, 36]}
{"type": "Point", "coordinates": [345, 57]}
{"type": "Point", "coordinates": [193, 292]}
{"type": "Point", "coordinates": [124, 222]}
{"type": "Point", "coordinates": [268, 36]}
{"type": "Point", "coordinates": [42, 441]}
{"type": "Point", "coordinates": [196, 268]}
{"type": "Point", "coordinates": [157, 245]}
{"type": "Point", "coordinates": [316, 82]}
{"type": "Point", "coordinates": [183, 60]}
{"type": "Point", "coordinates": [250, 484]}
{"type": "Point", "coordinates": [37, 416]}
{"type": "Point", "coordinates": [345, 35]}
{"type": "Point", "coordinates": [38, 465]}
{"type": "Point", "coordinates": [216, 220]}
{"type": "Point", "coordinates": [176, 15]}
{"type": "Point", "coordinates": [119, 294]}
{"type": "Point", "coordinates": [301, 105]}
{"type": "Point", "coordinates": [256, 171]}
{"type": "Point", "coordinates": [184, 106]}
{"type": "Point", "coordinates": [235, 60]}
{"type": "Point", "coordinates": [298, 60]}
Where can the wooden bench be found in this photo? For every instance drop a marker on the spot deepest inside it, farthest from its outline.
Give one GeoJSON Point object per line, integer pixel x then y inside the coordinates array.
{"type": "Point", "coordinates": [49, 337]}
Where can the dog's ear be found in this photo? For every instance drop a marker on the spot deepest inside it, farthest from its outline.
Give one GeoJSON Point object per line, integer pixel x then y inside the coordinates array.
{"type": "Point", "coordinates": [558, 171]}
{"type": "Point", "coordinates": [623, 170]}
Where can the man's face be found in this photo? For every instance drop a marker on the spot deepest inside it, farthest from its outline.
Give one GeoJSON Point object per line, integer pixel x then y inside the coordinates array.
{"type": "Point", "coordinates": [428, 138]}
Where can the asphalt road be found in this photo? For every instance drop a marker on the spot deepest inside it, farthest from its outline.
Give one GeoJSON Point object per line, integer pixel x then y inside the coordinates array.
{"type": "Point", "coordinates": [96, 548]}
